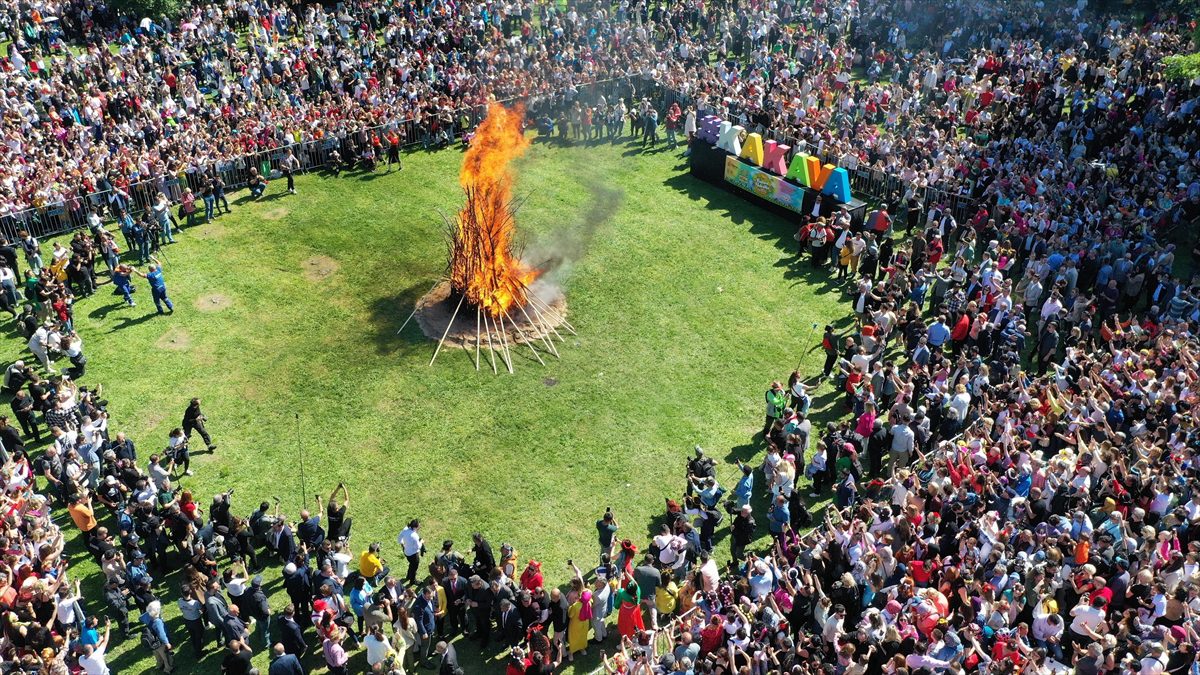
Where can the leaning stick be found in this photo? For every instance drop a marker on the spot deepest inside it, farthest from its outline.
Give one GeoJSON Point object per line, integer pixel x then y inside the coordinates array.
{"type": "Point", "coordinates": [504, 343]}
{"type": "Point", "coordinates": [543, 333]}
{"type": "Point", "coordinates": [528, 342]}
{"type": "Point", "coordinates": [448, 327]}
{"type": "Point", "coordinates": [414, 312]}
{"type": "Point", "coordinates": [491, 347]}
{"type": "Point", "coordinates": [549, 326]}
{"type": "Point", "coordinates": [478, 339]}
{"type": "Point", "coordinates": [554, 313]}
{"type": "Point", "coordinates": [545, 307]}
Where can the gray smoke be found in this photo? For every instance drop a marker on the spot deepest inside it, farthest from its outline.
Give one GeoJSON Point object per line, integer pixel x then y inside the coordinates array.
{"type": "Point", "coordinates": [556, 252]}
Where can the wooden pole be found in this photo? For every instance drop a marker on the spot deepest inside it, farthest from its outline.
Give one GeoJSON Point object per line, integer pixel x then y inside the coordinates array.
{"type": "Point", "coordinates": [504, 344]}
{"type": "Point", "coordinates": [448, 327]}
{"type": "Point", "coordinates": [553, 312]}
{"type": "Point", "coordinates": [545, 333]}
{"type": "Point", "coordinates": [414, 312]}
{"type": "Point", "coordinates": [478, 339]}
{"type": "Point", "coordinates": [491, 347]}
{"type": "Point", "coordinates": [528, 342]}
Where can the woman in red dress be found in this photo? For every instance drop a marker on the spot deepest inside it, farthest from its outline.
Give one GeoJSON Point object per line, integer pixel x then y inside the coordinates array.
{"type": "Point", "coordinates": [629, 618]}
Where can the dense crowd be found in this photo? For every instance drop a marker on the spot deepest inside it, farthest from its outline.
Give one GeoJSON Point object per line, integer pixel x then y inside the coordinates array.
{"type": "Point", "coordinates": [1012, 466]}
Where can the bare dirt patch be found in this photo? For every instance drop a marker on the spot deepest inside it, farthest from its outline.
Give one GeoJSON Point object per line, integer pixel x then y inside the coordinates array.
{"type": "Point", "coordinates": [436, 310]}
{"type": "Point", "coordinates": [213, 302]}
{"type": "Point", "coordinates": [319, 267]}
{"type": "Point", "coordinates": [175, 339]}
{"type": "Point", "coordinates": [277, 213]}
{"type": "Point", "coordinates": [210, 231]}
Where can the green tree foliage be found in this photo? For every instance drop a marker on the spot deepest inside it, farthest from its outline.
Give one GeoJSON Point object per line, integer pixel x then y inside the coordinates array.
{"type": "Point", "coordinates": [1182, 66]}
{"type": "Point", "coordinates": [150, 8]}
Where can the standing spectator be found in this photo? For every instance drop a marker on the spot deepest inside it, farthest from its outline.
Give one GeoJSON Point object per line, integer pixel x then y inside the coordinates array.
{"type": "Point", "coordinates": [154, 636]}
{"type": "Point", "coordinates": [193, 420]}
{"type": "Point", "coordinates": [158, 288]}
{"type": "Point", "coordinates": [413, 548]}
{"type": "Point", "coordinates": [289, 166]}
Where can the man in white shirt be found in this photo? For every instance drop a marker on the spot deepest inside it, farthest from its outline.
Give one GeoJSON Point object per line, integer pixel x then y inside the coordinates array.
{"type": "Point", "coordinates": [39, 344]}
{"type": "Point", "coordinates": [92, 661]}
{"type": "Point", "coordinates": [1085, 618]}
{"type": "Point", "coordinates": [410, 542]}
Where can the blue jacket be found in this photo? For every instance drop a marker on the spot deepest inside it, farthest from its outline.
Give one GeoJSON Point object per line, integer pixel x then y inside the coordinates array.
{"type": "Point", "coordinates": [156, 626]}
{"type": "Point", "coordinates": [423, 613]}
{"type": "Point", "coordinates": [287, 664]}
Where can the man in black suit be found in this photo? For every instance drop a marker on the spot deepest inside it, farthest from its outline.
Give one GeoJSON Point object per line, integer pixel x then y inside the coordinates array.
{"type": "Point", "coordinates": [281, 541]}
{"type": "Point", "coordinates": [283, 663]}
{"type": "Point", "coordinates": [297, 579]}
{"type": "Point", "coordinates": [481, 599]}
{"type": "Point", "coordinates": [512, 630]}
{"type": "Point", "coordinates": [393, 591]}
{"type": "Point", "coordinates": [291, 634]}
{"type": "Point", "coordinates": [447, 658]}
{"type": "Point", "coordinates": [456, 602]}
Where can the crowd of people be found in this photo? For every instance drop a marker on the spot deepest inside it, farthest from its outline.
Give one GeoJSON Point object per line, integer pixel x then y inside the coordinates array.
{"type": "Point", "coordinates": [1011, 450]}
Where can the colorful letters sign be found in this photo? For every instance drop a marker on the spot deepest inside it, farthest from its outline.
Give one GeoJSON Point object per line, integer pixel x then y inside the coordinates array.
{"type": "Point", "coordinates": [769, 158]}
{"type": "Point", "coordinates": [771, 188]}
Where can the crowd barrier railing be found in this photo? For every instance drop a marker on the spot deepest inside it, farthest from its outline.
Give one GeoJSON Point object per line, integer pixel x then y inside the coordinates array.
{"type": "Point", "coordinates": [72, 213]}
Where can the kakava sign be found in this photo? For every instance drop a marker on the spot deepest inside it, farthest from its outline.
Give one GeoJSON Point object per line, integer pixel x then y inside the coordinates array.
{"type": "Point", "coordinates": [768, 159]}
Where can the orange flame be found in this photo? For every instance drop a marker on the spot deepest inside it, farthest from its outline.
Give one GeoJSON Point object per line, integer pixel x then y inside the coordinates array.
{"type": "Point", "coordinates": [483, 266]}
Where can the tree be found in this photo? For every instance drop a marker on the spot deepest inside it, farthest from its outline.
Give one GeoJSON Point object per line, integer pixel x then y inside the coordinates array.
{"type": "Point", "coordinates": [153, 9]}
{"type": "Point", "coordinates": [1182, 66]}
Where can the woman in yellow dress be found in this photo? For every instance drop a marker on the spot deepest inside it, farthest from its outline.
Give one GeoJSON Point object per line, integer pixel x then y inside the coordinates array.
{"type": "Point", "coordinates": [579, 616]}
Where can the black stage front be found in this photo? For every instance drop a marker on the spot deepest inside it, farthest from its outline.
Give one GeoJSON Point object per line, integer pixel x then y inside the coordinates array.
{"type": "Point", "coordinates": [708, 163]}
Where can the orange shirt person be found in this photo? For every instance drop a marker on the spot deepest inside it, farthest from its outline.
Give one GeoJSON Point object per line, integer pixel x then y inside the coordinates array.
{"type": "Point", "coordinates": [81, 512]}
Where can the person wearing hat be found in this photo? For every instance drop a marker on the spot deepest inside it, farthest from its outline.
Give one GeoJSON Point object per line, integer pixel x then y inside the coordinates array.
{"type": "Point", "coordinates": [741, 533]}
{"type": "Point", "coordinates": [776, 400]}
{"type": "Point", "coordinates": [259, 609]}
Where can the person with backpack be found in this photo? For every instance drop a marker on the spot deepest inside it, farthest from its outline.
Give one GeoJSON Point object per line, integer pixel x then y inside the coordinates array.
{"type": "Point", "coordinates": [155, 637]}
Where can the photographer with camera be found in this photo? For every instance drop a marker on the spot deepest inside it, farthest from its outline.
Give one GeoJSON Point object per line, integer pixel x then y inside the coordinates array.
{"type": "Point", "coordinates": [607, 528]}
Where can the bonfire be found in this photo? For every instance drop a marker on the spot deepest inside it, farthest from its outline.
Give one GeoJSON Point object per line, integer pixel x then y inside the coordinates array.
{"type": "Point", "coordinates": [485, 271]}
{"type": "Point", "coordinates": [484, 266]}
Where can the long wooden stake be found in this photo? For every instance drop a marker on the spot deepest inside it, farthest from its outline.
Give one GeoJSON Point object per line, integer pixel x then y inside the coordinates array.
{"type": "Point", "coordinates": [448, 327]}
{"type": "Point", "coordinates": [528, 342]}
{"type": "Point", "coordinates": [553, 313]}
{"type": "Point", "coordinates": [504, 342]}
{"type": "Point", "coordinates": [414, 312]}
{"type": "Point", "coordinates": [544, 332]}
{"type": "Point", "coordinates": [491, 347]}
{"type": "Point", "coordinates": [546, 322]}
{"type": "Point", "coordinates": [545, 307]}
{"type": "Point", "coordinates": [478, 339]}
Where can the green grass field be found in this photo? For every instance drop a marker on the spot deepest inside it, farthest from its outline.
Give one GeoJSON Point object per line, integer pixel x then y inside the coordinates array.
{"type": "Point", "coordinates": [686, 300]}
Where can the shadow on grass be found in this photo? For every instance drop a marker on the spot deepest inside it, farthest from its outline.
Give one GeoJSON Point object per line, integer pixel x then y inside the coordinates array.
{"type": "Point", "coordinates": [391, 329]}
{"type": "Point", "coordinates": [125, 321]}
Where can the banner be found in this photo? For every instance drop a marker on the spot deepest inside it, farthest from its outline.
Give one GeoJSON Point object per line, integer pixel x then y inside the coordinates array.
{"type": "Point", "coordinates": [763, 184]}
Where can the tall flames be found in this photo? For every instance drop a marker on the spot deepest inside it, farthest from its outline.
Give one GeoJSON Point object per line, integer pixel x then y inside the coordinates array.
{"type": "Point", "coordinates": [483, 265]}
